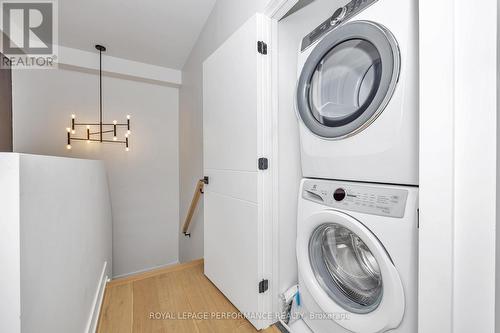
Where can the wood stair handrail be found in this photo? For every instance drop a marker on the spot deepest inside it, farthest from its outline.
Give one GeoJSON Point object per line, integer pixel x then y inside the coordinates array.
{"type": "Point", "coordinates": [194, 202]}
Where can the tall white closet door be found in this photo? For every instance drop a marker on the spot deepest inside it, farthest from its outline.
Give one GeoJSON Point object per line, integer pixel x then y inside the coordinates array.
{"type": "Point", "coordinates": [236, 125]}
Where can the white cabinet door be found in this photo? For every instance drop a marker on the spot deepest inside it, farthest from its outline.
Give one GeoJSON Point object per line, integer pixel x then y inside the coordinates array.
{"type": "Point", "coordinates": [236, 133]}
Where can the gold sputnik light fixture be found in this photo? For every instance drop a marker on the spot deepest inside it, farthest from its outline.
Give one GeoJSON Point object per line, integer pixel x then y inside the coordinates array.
{"type": "Point", "coordinates": [99, 131]}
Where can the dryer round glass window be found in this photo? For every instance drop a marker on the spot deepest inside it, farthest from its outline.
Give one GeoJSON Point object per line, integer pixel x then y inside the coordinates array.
{"type": "Point", "coordinates": [345, 268]}
{"type": "Point", "coordinates": [345, 82]}
{"type": "Point", "coordinates": [348, 80]}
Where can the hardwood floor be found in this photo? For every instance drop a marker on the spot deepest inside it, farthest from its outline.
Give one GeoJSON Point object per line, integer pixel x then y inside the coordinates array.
{"type": "Point", "coordinates": [165, 301]}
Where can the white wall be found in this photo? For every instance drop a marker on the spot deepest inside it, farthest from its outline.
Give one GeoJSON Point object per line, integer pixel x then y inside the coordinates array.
{"type": "Point", "coordinates": [476, 61]}
{"type": "Point", "coordinates": [61, 244]}
{"type": "Point", "coordinates": [497, 231]}
{"type": "Point", "coordinates": [143, 182]}
{"type": "Point", "coordinates": [458, 166]}
{"type": "Point", "coordinates": [70, 57]}
{"type": "Point", "coordinates": [226, 17]}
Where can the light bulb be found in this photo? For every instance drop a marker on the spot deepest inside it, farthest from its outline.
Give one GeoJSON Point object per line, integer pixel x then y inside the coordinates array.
{"type": "Point", "coordinates": [115, 138]}
{"type": "Point", "coordinates": [128, 116]}
{"type": "Point", "coordinates": [127, 149]}
{"type": "Point", "coordinates": [68, 129]}
{"type": "Point", "coordinates": [126, 135]}
{"type": "Point", "coordinates": [68, 147]}
{"type": "Point", "coordinates": [128, 132]}
{"type": "Point", "coordinates": [73, 116]}
{"type": "Point", "coordinates": [115, 122]}
{"type": "Point", "coordinates": [88, 127]}
{"type": "Point", "coordinates": [73, 132]}
{"type": "Point", "coordinates": [88, 141]}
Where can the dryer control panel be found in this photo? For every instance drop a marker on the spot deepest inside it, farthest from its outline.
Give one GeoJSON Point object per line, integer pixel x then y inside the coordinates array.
{"type": "Point", "coordinates": [369, 199]}
{"type": "Point", "coordinates": [340, 15]}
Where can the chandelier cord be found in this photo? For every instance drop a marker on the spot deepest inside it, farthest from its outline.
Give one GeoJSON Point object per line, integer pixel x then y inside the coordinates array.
{"type": "Point", "coordinates": [100, 94]}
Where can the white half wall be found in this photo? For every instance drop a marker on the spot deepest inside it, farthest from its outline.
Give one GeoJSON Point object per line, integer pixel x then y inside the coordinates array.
{"type": "Point", "coordinates": [144, 183]}
{"type": "Point", "coordinates": [65, 241]}
{"type": "Point", "coordinates": [10, 245]}
{"type": "Point", "coordinates": [59, 237]}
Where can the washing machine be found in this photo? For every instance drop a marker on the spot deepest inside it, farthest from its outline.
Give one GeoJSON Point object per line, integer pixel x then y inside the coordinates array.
{"type": "Point", "coordinates": [357, 94]}
{"type": "Point", "coordinates": [357, 257]}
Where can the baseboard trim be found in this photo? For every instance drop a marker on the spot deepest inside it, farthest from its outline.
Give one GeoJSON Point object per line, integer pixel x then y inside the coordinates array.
{"type": "Point", "coordinates": [145, 270]}
{"type": "Point", "coordinates": [124, 279]}
{"type": "Point", "coordinates": [96, 304]}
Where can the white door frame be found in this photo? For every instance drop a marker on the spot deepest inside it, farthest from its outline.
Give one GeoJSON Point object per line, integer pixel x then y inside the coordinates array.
{"type": "Point", "coordinates": [458, 168]}
{"type": "Point", "coordinates": [275, 10]}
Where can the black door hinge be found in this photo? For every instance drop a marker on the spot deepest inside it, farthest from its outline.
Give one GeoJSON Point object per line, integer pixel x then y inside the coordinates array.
{"type": "Point", "coordinates": [205, 180]}
{"type": "Point", "coordinates": [263, 163]}
{"type": "Point", "coordinates": [262, 47]}
{"type": "Point", "coordinates": [263, 286]}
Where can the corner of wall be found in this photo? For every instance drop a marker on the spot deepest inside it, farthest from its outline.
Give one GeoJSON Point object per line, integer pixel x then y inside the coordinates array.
{"type": "Point", "coordinates": [10, 252]}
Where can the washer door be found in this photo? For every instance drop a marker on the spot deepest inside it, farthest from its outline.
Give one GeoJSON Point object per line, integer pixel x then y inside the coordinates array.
{"type": "Point", "coordinates": [347, 270]}
{"type": "Point", "coordinates": [348, 79]}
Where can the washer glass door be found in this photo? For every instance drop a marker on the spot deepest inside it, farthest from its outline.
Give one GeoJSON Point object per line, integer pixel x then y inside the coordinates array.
{"type": "Point", "coordinates": [348, 79]}
{"type": "Point", "coordinates": [345, 268]}
{"type": "Point", "coordinates": [345, 82]}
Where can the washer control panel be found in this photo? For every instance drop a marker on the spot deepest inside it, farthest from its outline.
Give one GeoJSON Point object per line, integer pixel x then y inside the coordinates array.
{"type": "Point", "coordinates": [368, 199]}
{"type": "Point", "coordinates": [340, 15]}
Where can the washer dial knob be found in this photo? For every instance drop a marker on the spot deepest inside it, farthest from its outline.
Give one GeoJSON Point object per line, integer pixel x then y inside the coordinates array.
{"type": "Point", "coordinates": [338, 15]}
{"type": "Point", "coordinates": [339, 194]}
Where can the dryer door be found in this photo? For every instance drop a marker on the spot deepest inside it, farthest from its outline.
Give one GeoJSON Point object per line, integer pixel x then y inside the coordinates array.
{"type": "Point", "coordinates": [348, 79]}
{"type": "Point", "coordinates": [347, 270]}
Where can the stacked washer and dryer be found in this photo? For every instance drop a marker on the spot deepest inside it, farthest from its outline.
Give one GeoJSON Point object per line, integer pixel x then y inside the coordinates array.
{"type": "Point", "coordinates": [357, 105]}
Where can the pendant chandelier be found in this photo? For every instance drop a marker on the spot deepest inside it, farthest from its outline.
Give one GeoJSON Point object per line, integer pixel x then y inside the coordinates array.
{"type": "Point", "coordinates": [99, 131]}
